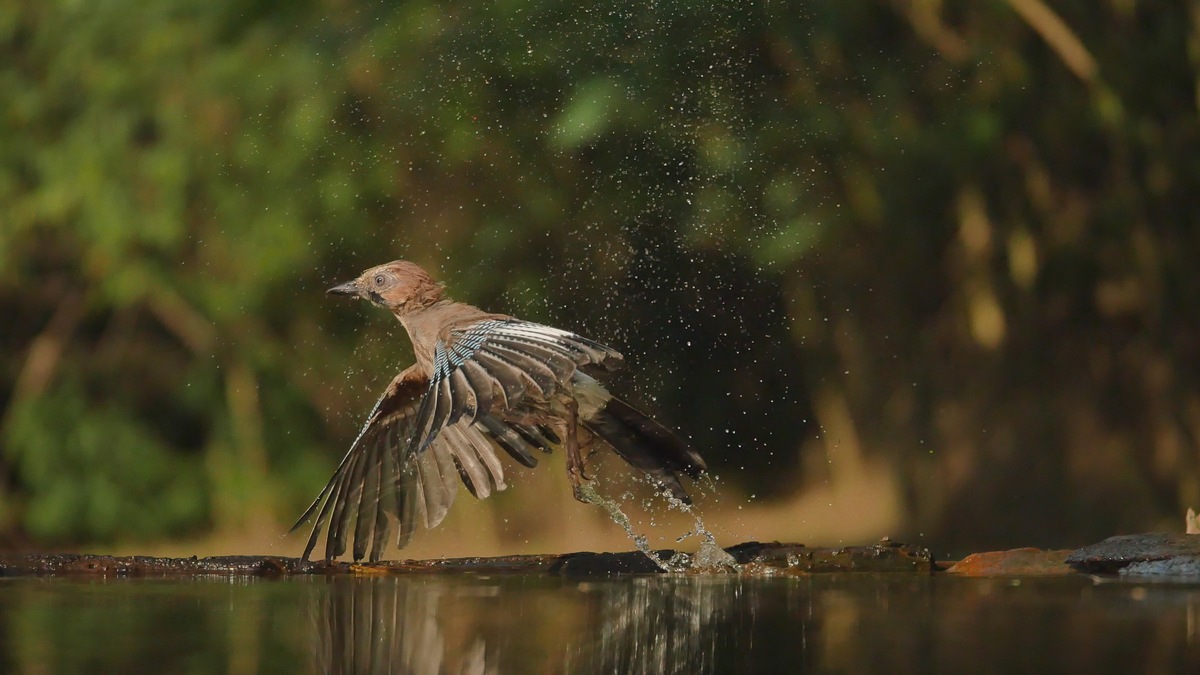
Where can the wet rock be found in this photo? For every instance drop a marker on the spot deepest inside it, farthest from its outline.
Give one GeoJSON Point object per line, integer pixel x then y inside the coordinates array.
{"type": "Point", "coordinates": [1016, 562]}
{"type": "Point", "coordinates": [1116, 553]}
{"type": "Point", "coordinates": [1184, 567]}
{"type": "Point", "coordinates": [588, 564]}
{"type": "Point", "coordinates": [886, 556]}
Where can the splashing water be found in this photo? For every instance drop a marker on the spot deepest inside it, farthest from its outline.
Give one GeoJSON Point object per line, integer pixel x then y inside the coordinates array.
{"type": "Point", "coordinates": [708, 558]}
{"type": "Point", "coordinates": [618, 516]}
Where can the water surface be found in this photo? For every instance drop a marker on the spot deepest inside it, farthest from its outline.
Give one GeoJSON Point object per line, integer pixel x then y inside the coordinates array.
{"type": "Point", "coordinates": [850, 623]}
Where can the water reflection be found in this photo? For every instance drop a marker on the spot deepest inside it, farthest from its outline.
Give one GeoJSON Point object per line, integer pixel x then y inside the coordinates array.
{"type": "Point", "coordinates": [671, 624]}
{"type": "Point", "coordinates": [427, 625]}
{"type": "Point", "coordinates": [398, 625]}
{"type": "Point", "coordinates": [656, 625]}
{"type": "Point", "coordinates": [462, 624]}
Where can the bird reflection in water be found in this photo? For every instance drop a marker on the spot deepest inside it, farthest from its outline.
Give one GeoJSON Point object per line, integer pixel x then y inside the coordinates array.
{"type": "Point", "coordinates": [471, 625]}
{"type": "Point", "coordinates": [397, 625]}
{"type": "Point", "coordinates": [656, 625]}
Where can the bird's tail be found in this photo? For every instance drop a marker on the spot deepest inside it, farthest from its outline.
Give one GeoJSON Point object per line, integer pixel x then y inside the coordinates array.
{"type": "Point", "coordinates": [646, 445]}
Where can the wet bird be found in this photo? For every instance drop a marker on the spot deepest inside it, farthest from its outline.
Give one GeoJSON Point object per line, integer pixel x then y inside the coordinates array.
{"type": "Point", "coordinates": [481, 383]}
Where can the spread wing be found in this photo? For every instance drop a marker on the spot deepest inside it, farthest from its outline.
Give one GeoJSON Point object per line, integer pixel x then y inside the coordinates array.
{"type": "Point", "coordinates": [424, 435]}
{"type": "Point", "coordinates": [498, 365]}
{"type": "Point", "coordinates": [380, 484]}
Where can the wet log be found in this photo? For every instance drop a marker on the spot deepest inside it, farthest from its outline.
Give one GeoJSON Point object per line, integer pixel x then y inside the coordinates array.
{"type": "Point", "coordinates": [774, 557]}
{"type": "Point", "coordinates": [82, 565]}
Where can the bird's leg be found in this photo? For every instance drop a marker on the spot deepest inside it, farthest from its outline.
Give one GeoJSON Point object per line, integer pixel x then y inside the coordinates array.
{"type": "Point", "coordinates": [590, 446]}
{"type": "Point", "coordinates": [575, 468]}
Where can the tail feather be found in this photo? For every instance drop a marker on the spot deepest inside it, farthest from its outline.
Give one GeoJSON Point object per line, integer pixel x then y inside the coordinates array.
{"type": "Point", "coordinates": [646, 445]}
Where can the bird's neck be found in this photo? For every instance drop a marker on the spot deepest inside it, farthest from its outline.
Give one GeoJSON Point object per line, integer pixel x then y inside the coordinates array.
{"type": "Point", "coordinates": [415, 309]}
{"type": "Point", "coordinates": [426, 325]}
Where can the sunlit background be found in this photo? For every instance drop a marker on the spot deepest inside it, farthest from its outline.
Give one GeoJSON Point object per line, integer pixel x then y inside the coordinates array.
{"type": "Point", "coordinates": [913, 268]}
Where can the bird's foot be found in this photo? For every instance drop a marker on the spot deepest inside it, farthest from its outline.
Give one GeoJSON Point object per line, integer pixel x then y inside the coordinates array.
{"type": "Point", "coordinates": [577, 476]}
{"type": "Point", "coordinates": [580, 495]}
{"type": "Point", "coordinates": [576, 469]}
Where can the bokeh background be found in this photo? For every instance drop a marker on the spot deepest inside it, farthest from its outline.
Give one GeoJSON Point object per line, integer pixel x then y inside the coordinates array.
{"type": "Point", "coordinates": [916, 268]}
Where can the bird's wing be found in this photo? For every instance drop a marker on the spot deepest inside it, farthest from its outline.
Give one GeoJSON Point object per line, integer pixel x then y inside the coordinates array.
{"type": "Point", "coordinates": [380, 480]}
{"type": "Point", "coordinates": [494, 364]}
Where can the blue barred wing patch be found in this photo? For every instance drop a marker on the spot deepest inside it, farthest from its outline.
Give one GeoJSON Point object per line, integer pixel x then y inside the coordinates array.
{"type": "Point", "coordinates": [494, 365]}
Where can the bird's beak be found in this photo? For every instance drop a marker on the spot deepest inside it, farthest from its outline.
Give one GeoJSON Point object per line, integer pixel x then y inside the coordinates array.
{"type": "Point", "coordinates": [348, 288]}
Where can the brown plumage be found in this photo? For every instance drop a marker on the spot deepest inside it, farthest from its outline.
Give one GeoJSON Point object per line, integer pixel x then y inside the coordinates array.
{"type": "Point", "coordinates": [481, 382]}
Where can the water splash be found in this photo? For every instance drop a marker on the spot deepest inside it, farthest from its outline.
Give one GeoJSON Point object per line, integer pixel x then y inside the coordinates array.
{"type": "Point", "coordinates": [618, 516]}
{"type": "Point", "coordinates": [708, 558]}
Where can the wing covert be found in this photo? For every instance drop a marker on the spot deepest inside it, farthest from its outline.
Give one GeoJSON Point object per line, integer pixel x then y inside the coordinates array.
{"type": "Point", "coordinates": [498, 364]}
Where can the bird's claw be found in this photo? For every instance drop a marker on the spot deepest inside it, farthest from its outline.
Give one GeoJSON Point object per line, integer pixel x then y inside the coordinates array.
{"type": "Point", "coordinates": [577, 490]}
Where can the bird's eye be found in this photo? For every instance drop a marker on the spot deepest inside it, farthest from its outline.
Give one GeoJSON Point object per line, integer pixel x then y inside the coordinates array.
{"type": "Point", "coordinates": [379, 279]}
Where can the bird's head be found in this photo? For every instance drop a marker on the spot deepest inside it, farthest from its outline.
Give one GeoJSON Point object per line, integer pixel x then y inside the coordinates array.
{"type": "Point", "coordinates": [399, 286]}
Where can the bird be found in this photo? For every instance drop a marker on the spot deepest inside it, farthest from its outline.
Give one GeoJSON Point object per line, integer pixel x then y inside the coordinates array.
{"type": "Point", "coordinates": [483, 384]}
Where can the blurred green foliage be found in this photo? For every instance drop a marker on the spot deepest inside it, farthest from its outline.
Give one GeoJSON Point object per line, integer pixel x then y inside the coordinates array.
{"type": "Point", "coordinates": [96, 476]}
{"type": "Point", "coordinates": [968, 226]}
